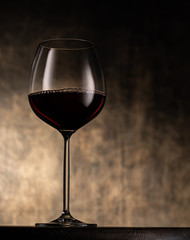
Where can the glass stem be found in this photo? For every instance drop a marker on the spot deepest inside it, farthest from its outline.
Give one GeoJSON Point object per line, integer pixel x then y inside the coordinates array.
{"type": "Point", "coordinates": [66, 176]}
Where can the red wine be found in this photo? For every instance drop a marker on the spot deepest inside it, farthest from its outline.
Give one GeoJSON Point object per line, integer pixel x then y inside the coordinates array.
{"type": "Point", "coordinates": [67, 109]}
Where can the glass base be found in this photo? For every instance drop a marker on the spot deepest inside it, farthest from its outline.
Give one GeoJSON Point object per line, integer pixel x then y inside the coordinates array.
{"type": "Point", "coordinates": [66, 220]}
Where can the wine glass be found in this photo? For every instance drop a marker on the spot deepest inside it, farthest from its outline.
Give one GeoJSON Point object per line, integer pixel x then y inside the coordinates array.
{"type": "Point", "coordinates": [66, 90]}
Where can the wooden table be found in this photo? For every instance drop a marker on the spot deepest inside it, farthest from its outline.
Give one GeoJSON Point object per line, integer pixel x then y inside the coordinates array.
{"type": "Point", "coordinates": [100, 233]}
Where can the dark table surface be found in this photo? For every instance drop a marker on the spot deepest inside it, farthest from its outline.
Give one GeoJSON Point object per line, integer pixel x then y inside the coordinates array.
{"type": "Point", "coordinates": [100, 233]}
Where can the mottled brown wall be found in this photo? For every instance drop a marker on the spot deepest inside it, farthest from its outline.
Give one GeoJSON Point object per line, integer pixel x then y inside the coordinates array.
{"type": "Point", "coordinates": [130, 166]}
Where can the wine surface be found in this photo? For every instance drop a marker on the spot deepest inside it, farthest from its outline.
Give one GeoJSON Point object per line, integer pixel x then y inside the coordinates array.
{"type": "Point", "coordinates": [67, 109]}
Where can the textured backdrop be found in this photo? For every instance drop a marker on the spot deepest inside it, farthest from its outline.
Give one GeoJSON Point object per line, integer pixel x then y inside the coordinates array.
{"type": "Point", "coordinates": [130, 166]}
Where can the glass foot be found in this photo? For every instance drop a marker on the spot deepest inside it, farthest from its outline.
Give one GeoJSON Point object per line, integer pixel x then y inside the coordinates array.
{"type": "Point", "coordinates": [65, 220]}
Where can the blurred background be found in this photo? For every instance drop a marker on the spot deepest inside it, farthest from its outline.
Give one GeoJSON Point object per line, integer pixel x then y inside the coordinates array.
{"type": "Point", "coordinates": [130, 166]}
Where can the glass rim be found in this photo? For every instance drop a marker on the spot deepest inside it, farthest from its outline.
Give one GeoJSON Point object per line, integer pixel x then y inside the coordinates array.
{"type": "Point", "coordinates": [51, 44]}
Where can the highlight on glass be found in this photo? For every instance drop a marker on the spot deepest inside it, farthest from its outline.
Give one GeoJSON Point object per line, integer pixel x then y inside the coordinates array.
{"type": "Point", "coordinates": [66, 90]}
